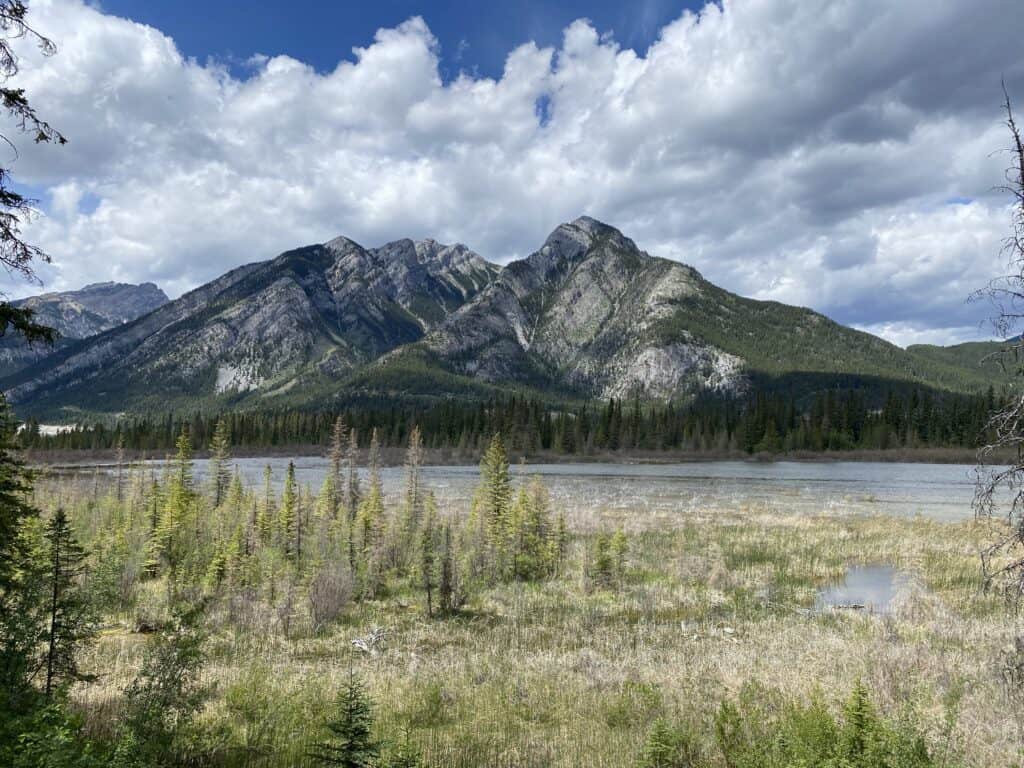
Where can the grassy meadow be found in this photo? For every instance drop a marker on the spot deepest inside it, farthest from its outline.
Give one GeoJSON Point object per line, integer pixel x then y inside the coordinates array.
{"type": "Point", "coordinates": [706, 607]}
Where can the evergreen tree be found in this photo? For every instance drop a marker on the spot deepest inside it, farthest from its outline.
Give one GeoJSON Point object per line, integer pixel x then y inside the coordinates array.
{"type": "Point", "coordinates": [370, 523]}
{"type": "Point", "coordinates": [559, 543]}
{"type": "Point", "coordinates": [265, 518]}
{"type": "Point", "coordinates": [449, 598]}
{"type": "Point", "coordinates": [15, 484]}
{"type": "Point", "coordinates": [428, 551]}
{"type": "Point", "coordinates": [220, 459]}
{"type": "Point", "coordinates": [70, 622]}
{"type": "Point", "coordinates": [618, 549]}
{"type": "Point", "coordinates": [288, 518]}
{"type": "Point", "coordinates": [493, 505]}
{"type": "Point", "coordinates": [414, 482]}
{"type": "Point", "coordinates": [350, 742]}
{"type": "Point", "coordinates": [531, 515]}
{"type": "Point", "coordinates": [337, 456]}
{"type": "Point", "coordinates": [666, 747]}
{"type": "Point", "coordinates": [172, 540]}
{"type": "Point", "coordinates": [352, 493]}
{"type": "Point", "coordinates": [119, 461]}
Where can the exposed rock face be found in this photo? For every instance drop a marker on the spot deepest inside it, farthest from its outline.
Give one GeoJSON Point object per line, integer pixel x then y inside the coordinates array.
{"type": "Point", "coordinates": [325, 308]}
{"type": "Point", "coordinates": [583, 312]}
{"type": "Point", "coordinates": [78, 315]}
{"type": "Point", "coordinates": [588, 315]}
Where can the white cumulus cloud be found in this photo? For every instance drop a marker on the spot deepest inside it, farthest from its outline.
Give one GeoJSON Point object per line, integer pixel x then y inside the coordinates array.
{"type": "Point", "coordinates": [838, 155]}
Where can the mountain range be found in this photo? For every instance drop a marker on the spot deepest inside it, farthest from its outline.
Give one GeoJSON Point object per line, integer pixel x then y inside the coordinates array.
{"type": "Point", "coordinates": [78, 315]}
{"type": "Point", "coordinates": [588, 315]}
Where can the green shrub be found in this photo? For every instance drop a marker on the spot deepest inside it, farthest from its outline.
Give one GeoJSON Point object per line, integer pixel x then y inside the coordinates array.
{"type": "Point", "coordinates": [668, 746]}
{"type": "Point", "coordinates": [763, 731]}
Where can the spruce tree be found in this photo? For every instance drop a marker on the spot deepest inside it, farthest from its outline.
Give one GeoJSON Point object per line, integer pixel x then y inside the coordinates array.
{"type": "Point", "coordinates": [352, 493]}
{"type": "Point", "coordinates": [220, 459]}
{"type": "Point", "coordinates": [337, 456]}
{"type": "Point", "coordinates": [618, 550]}
{"type": "Point", "coordinates": [414, 481]}
{"type": "Point", "coordinates": [370, 522]}
{"type": "Point", "coordinates": [15, 484]}
{"type": "Point", "coordinates": [172, 540]}
{"type": "Point", "coordinates": [494, 497]}
{"type": "Point", "coordinates": [350, 742]}
{"type": "Point", "coordinates": [288, 518]}
{"type": "Point", "coordinates": [70, 623]}
{"type": "Point", "coordinates": [265, 518]}
{"type": "Point", "coordinates": [449, 598]}
{"type": "Point", "coordinates": [119, 460]}
{"type": "Point", "coordinates": [428, 551]}
{"type": "Point", "coordinates": [166, 694]}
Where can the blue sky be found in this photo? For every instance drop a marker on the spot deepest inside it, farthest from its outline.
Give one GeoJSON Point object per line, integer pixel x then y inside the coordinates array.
{"type": "Point", "coordinates": [836, 155]}
{"type": "Point", "coordinates": [474, 36]}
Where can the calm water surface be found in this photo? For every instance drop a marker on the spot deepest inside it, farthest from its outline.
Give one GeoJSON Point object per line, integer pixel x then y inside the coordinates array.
{"type": "Point", "coordinates": [940, 491]}
{"type": "Point", "coordinates": [872, 588]}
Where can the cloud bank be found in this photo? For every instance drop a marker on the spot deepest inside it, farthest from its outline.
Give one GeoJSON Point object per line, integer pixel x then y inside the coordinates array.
{"type": "Point", "coordinates": [833, 154]}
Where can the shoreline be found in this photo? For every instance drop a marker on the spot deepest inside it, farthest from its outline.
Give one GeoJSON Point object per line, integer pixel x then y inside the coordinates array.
{"type": "Point", "coordinates": [394, 456]}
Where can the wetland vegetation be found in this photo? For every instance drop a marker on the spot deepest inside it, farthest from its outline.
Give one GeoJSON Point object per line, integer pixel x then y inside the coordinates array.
{"type": "Point", "coordinates": [234, 621]}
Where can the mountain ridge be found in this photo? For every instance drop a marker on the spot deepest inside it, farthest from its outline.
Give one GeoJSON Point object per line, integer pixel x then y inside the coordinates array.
{"type": "Point", "coordinates": [589, 315]}
{"type": "Point", "coordinates": [78, 314]}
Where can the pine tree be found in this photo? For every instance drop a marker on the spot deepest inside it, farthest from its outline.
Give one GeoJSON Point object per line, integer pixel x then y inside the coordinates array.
{"type": "Point", "coordinates": [265, 518]}
{"type": "Point", "coordinates": [119, 460]}
{"type": "Point", "coordinates": [428, 551]}
{"type": "Point", "coordinates": [220, 458]}
{"type": "Point", "coordinates": [493, 503]}
{"type": "Point", "coordinates": [70, 621]}
{"type": "Point", "coordinates": [15, 484]}
{"type": "Point", "coordinates": [337, 455]}
{"type": "Point", "coordinates": [370, 522]}
{"type": "Point", "coordinates": [288, 518]}
{"type": "Point", "coordinates": [448, 595]}
{"type": "Point", "coordinates": [350, 742]}
{"type": "Point", "coordinates": [414, 481]}
{"type": "Point", "coordinates": [171, 543]}
{"type": "Point", "coordinates": [352, 494]}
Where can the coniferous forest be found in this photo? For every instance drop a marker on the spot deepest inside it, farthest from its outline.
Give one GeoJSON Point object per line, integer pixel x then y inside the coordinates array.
{"type": "Point", "coordinates": [765, 423]}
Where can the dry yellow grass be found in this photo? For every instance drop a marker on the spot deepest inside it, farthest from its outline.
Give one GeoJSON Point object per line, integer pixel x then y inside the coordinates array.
{"type": "Point", "coordinates": [562, 674]}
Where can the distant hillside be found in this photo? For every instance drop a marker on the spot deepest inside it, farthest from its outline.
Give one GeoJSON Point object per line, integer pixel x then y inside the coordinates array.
{"type": "Point", "coordinates": [974, 356]}
{"type": "Point", "coordinates": [78, 315]}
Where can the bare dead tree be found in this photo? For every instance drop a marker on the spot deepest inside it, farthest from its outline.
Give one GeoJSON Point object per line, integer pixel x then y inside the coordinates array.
{"type": "Point", "coordinates": [999, 488]}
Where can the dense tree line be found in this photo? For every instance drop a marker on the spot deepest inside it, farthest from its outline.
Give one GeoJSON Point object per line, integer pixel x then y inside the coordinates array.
{"type": "Point", "coordinates": [774, 422]}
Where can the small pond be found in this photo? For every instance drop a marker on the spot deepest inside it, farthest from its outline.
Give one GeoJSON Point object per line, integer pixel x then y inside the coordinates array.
{"type": "Point", "coordinates": [868, 588]}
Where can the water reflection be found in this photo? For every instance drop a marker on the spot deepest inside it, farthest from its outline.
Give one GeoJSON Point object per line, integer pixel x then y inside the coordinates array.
{"type": "Point", "coordinates": [871, 588]}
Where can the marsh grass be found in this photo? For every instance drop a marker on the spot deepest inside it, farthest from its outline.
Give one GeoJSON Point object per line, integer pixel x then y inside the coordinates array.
{"type": "Point", "coordinates": [567, 673]}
